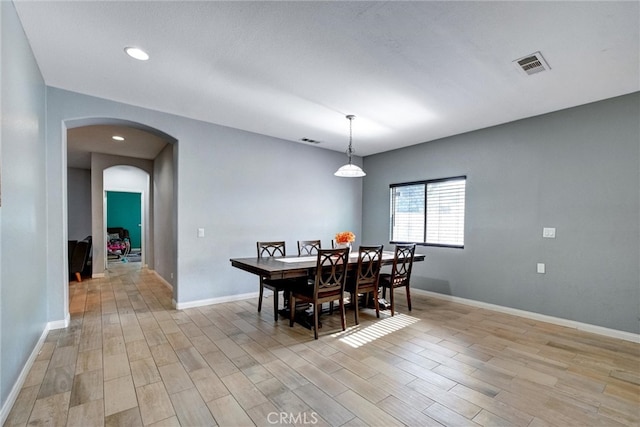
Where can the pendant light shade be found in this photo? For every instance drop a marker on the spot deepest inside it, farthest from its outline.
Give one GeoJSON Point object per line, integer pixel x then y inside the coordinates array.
{"type": "Point", "coordinates": [350, 170]}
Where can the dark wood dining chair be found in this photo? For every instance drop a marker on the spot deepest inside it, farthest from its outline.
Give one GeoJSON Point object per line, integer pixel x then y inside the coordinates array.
{"type": "Point", "coordinates": [308, 247]}
{"type": "Point", "coordinates": [366, 277]}
{"type": "Point", "coordinates": [400, 273]}
{"type": "Point", "coordinates": [272, 249]}
{"type": "Point", "coordinates": [328, 285]}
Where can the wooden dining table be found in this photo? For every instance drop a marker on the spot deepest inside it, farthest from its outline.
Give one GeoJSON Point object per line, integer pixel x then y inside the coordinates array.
{"type": "Point", "coordinates": [291, 267]}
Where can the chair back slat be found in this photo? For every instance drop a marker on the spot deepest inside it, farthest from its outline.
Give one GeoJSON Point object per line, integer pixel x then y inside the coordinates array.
{"type": "Point", "coordinates": [308, 247]}
{"type": "Point", "coordinates": [402, 263]}
{"type": "Point", "coordinates": [369, 264]}
{"type": "Point", "coordinates": [331, 272]}
{"type": "Point", "coordinates": [271, 249]}
{"type": "Point", "coordinates": [268, 250]}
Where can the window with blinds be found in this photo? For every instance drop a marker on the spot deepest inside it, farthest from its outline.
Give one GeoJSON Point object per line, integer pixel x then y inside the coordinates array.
{"type": "Point", "coordinates": [429, 212]}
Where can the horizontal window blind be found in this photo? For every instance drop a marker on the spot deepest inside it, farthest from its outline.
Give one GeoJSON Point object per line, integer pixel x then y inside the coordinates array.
{"type": "Point", "coordinates": [445, 212]}
{"type": "Point", "coordinates": [408, 213]}
{"type": "Point", "coordinates": [429, 212]}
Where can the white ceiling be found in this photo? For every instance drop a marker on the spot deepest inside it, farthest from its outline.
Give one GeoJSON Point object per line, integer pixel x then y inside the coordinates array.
{"type": "Point", "coordinates": [410, 71]}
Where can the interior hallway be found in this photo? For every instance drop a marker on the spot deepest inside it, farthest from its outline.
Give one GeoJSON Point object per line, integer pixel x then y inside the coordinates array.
{"type": "Point", "coordinates": [129, 359]}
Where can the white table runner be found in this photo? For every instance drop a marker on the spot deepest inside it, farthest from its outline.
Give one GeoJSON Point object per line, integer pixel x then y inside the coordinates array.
{"type": "Point", "coordinates": [354, 255]}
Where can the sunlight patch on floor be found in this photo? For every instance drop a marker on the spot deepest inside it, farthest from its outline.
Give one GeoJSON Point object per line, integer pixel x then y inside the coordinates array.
{"type": "Point", "coordinates": [357, 336]}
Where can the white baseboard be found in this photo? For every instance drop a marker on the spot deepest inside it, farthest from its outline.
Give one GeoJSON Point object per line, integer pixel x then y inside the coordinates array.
{"type": "Point", "coordinates": [97, 275]}
{"type": "Point", "coordinates": [600, 330]}
{"type": "Point", "coordinates": [59, 324]}
{"type": "Point", "coordinates": [15, 390]}
{"type": "Point", "coordinates": [219, 300]}
{"type": "Point", "coordinates": [613, 333]}
{"type": "Point", "coordinates": [162, 279]}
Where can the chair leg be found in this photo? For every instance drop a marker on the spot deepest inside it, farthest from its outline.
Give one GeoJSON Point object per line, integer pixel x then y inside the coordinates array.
{"type": "Point", "coordinates": [375, 302]}
{"type": "Point", "coordinates": [315, 320]}
{"type": "Point", "coordinates": [292, 309]}
{"type": "Point", "coordinates": [275, 304]}
{"type": "Point", "coordinates": [354, 303]}
{"type": "Point", "coordinates": [392, 302]}
{"type": "Point", "coordinates": [408, 298]}
{"type": "Point", "coordinates": [342, 314]}
{"type": "Point", "coordinates": [285, 295]}
{"type": "Point", "coordinates": [260, 297]}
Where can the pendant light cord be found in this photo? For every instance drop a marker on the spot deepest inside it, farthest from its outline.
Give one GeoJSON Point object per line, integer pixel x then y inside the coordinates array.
{"type": "Point", "coordinates": [350, 149]}
{"type": "Point", "coordinates": [350, 170]}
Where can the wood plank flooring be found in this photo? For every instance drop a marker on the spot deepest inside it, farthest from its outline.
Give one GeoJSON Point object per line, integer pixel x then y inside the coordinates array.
{"type": "Point", "coordinates": [129, 359]}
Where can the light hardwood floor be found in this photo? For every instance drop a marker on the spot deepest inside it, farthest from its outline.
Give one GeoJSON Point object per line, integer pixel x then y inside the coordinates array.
{"type": "Point", "coordinates": [129, 359]}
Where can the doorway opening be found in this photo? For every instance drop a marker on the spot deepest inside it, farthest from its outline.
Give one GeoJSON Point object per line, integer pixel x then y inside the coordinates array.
{"type": "Point", "coordinates": [125, 234]}
{"type": "Point", "coordinates": [126, 214]}
{"type": "Point", "coordinates": [96, 164]}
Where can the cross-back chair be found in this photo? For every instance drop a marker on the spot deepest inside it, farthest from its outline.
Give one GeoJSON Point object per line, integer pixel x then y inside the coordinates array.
{"type": "Point", "coordinates": [400, 273]}
{"type": "Point", "coordinates": [366, 278]}
{"type": "Point", "coordinates": [328, 285]}
{"type": "Point", "coordinates": [308, 247]}
{"type": "Point", "coordinates": [266, 250]}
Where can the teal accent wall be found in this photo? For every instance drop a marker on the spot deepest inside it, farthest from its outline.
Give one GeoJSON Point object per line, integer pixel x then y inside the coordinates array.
{"type": "Point", "coordinates": [124, 210]}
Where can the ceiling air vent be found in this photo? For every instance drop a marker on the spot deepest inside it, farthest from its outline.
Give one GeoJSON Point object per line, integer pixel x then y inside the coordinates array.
{"type": "Point", "coordinates": [531, 64]}
{"type": "Point", "coordinates": [309, 141]}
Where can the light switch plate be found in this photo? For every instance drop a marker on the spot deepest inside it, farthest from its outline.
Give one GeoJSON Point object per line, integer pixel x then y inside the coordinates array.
{"type": "Point", "coordinates": [540, 268]}
{"type": "Point", "coordinates": [200, 232]}
{"type": "Point", "coordinates": [549, 232]}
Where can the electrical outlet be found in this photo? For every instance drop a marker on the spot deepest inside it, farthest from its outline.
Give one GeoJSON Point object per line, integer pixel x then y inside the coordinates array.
{"type": "Point", "coordinates": [540, 268]}
{"type": "Point", "coordinates": [549, 233]}
{"type": "Point", "coordinates": [200, 232]}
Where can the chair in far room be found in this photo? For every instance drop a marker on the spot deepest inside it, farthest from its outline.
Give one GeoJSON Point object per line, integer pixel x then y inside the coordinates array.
{"type": "Point", "coordinates": [118, 243]}
{"type": "Point", "coordinates": [79, 258]}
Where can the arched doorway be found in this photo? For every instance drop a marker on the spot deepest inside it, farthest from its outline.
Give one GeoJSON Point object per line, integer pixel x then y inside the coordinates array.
{"type": "Point", "coordinates": [90, 141]}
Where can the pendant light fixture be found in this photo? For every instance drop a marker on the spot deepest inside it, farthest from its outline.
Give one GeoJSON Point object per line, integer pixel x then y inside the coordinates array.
{"type": "Point", "coordinates": [350, 170]}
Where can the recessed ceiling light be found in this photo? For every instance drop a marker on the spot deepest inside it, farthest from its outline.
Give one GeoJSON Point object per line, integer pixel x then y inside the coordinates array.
{"type": "Point", "coordinates": [117, 138]}
{"type": "Point", "coordinates": [137, 53]}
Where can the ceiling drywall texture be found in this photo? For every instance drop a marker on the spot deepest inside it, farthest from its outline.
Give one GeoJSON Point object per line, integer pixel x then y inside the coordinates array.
{"type": "Point", "coordinates": [410, 71]}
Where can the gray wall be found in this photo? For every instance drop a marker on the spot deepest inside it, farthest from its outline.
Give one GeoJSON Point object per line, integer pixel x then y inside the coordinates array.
{"type": "Point", "coordinates": [79, 203]}
{"type": "Point", "coordinates": [165, 230]}
{"type": "Point", "coordinates": [243, 187]}
{"type": "Point", "coordinates": [239, 186]}
{"type": "Point", "coordinates": [577, 170]}
{"type": "Point", "coordinates": [23, 227]}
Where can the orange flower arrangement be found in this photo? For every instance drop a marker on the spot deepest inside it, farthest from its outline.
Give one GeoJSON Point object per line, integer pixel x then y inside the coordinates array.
{"type": "Point", "coordinates": [345, 237]}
